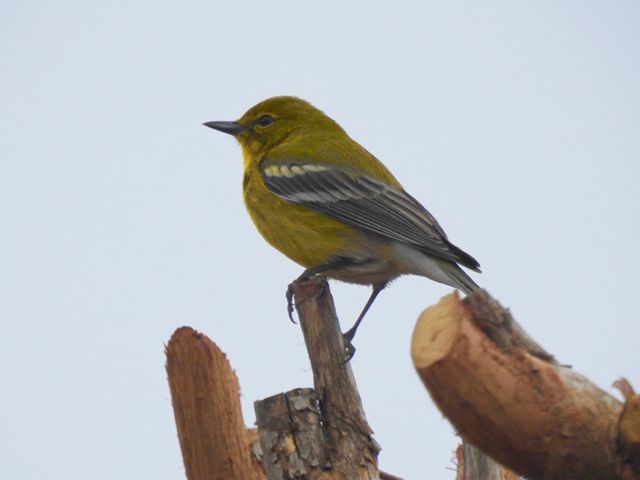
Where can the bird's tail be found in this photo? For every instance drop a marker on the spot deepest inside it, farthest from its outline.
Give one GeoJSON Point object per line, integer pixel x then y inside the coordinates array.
{"type": "Point", "coordinates": [458, 277]}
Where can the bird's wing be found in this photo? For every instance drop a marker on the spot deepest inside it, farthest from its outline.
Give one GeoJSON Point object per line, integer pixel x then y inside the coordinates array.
{"type": "Point", "coordinates": [364, 202]}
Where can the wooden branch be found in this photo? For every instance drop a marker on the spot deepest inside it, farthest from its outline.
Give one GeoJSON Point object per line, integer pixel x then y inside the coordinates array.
{"type": "Point", "coordinates": [328, 436]}
{"type": "Point", "coordinates": [291, 435]}
{"type": "Point", "coordinates": [478, 466]}
{"type": "Point", "coordinates": [509, 397]}
{"type": "Point", "coordinates": [628, 434]}
{"type": "Point", "coordinates": [206, 404]}
{"type": "Point", "coordinates": [473, 464]}
{"type": "Point", "coordinates": [350, 446]}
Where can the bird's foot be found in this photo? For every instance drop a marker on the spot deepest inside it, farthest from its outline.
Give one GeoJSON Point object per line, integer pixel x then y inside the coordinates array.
{"type": "Point", "coordinates": [289, 295]}
{"type": "Point", "coordinates": [349, 349]}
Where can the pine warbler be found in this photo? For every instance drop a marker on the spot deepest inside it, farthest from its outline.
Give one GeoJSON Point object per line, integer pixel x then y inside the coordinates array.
{"type": "Point", "coordinates": [328, 204]}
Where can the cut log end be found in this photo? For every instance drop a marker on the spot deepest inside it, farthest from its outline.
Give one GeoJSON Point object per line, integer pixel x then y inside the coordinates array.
{"type": "Point", "coordinates": [433, 337]}
{"type": "Point", "coordinates": [507, 396]}
{"type": "Point", "coordinates": [206, 403]}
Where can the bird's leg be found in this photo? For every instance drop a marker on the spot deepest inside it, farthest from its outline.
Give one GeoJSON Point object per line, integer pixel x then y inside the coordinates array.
{"type": "Point", "coordinates": [334, 262]}
{"type": "Point", "coordinates": [347, 337]}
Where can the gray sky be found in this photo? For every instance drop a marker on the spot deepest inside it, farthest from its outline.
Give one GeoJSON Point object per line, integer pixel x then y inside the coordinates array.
{"type": "Point", "coordinates": [515, 123]}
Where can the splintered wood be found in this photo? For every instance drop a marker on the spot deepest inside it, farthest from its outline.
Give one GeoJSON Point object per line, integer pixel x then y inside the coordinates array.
{"type": "Point", "coordinates": [475, 465]}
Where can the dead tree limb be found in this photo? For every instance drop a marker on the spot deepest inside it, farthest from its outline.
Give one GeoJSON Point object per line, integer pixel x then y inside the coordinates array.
{"type": "Point", "coordinates": [476, 465]}
{"type": "Point", "coordinates": [628, 434]}
{"type": "Point", "coordinates": [473, 464]}
{"type": "Point", "coordinates": [350, 452]}
{"type": "Point", "coordinates": [206, 404]}
{"type": "Point", "coordinates": [291, 435]}
{"type": "Point", "coordinates": [510, 398]}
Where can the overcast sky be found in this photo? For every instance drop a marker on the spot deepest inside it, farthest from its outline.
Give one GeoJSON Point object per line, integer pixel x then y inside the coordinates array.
{"type": "Point", "coordinates": [515, 123]}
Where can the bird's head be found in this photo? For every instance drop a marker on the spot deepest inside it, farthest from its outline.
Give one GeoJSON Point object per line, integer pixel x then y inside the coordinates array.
{"type": "Point", "coordinates": [273, 121]}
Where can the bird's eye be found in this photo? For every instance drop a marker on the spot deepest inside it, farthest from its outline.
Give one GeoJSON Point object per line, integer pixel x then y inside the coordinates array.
{"type": "Point", "coordinates": [265, 120]}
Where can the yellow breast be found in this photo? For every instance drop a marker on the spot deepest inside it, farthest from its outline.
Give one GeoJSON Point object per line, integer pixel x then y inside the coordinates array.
{"type": "Point", "coordinates": [305, 236]}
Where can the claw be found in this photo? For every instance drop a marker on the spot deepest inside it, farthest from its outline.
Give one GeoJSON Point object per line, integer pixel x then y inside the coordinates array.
{"type": "Point", "coordinates": [347, 339]}
{"type": "Point", "coordinates": [349, 349]}
{"type": "Point", "coordinates": [290, 294]}
{"type": "Point", "coordinates": [290, 306]}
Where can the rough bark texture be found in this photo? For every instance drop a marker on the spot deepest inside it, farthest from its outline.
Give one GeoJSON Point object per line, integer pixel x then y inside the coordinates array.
{"type": "Point", "coordinates": [348, 449]}
{"type": "Point", "coordinates": [475, 465]}
{"type": "Point", "coordinates": [350, 452]}
{"type": "Point", "coordinates": [291, 435]}
{"type": "Point", "coordinates": [206, 404]}
{"type": "Point", "coordinates": [478, 466]}
{"type": "Point", "coordinates": [510, 398]}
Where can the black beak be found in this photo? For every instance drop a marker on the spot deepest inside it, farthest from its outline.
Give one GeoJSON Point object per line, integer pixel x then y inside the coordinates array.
{"type": "Point", "coordinates": [232, 128]}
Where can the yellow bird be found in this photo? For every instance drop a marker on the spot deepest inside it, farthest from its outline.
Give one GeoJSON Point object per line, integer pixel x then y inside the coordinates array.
{"type": "Point", "coordinates": [328, 204]}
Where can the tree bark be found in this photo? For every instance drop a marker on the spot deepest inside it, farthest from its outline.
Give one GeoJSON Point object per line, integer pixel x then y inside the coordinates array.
{"type": "Point", "coordinates": [291, 435]}
{"type": "Point", "coordinates": [350, 446]}
{"type": "Point", "coordinates": [333, 420]}
{"type": "Point", "coordinates": [206, 402]}
{"type": "Point", "coordinates": [510, 398]}
{"type": "Point", "coordinates": [473, 464]}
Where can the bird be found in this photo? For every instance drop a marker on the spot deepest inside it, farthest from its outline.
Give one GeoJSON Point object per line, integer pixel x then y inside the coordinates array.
{"type": "Point", "coordinates": [324, 201]}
